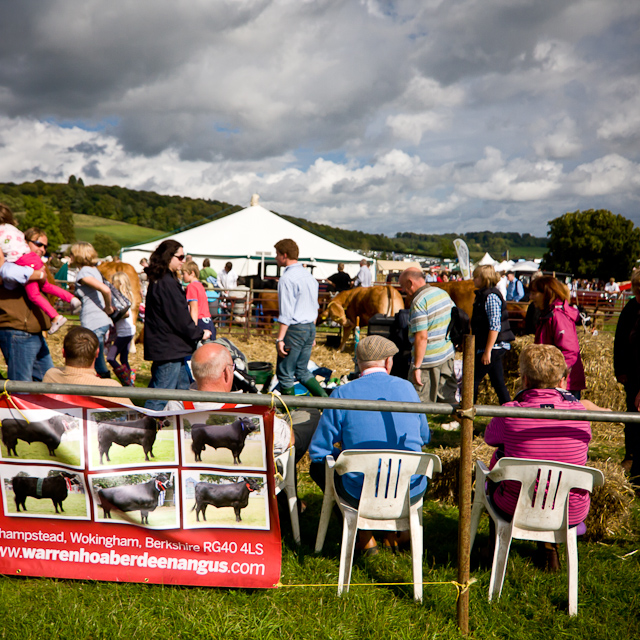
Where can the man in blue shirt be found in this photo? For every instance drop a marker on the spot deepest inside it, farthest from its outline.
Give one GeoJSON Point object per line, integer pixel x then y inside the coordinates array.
{"type": "Point", "coordinates": [298, 302]}
{"type": "Point", "coordinates": [515, 290]}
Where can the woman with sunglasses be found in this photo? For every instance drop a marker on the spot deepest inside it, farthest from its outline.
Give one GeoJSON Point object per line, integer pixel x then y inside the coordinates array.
{"type": "Point", "coordinates": [170, 335]}
{"type": "Point", "coordinates": [95, 297]}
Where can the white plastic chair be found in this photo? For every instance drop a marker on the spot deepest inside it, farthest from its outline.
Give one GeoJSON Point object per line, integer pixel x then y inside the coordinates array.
{"type": "Point", "coordinates": [288, 485]}
{"type": "Point", "coordinates": [384, 503]}
{"type": "Point", "coordinates": [542, 512]}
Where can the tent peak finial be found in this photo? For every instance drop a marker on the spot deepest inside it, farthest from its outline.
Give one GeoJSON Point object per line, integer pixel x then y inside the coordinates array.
{"type": "Point", "coordinates": [254, 200]}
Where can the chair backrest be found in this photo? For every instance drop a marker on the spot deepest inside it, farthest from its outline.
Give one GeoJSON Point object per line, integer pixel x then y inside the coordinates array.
{"type": "Point", "coordinates": [387, 474]}
{"type": "Point", "coordinates": [544, 494]}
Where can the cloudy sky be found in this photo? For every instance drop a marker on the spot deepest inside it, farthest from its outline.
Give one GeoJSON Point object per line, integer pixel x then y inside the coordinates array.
{"type": "Point", "coordinates": [416, 115]}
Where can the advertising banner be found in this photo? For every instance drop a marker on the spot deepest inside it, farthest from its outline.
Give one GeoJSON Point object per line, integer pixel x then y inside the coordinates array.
{"type": "Point", "coordinates": [95, 490]}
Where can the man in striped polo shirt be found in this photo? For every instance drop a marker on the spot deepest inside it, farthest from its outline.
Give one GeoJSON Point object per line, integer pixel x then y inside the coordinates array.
{"type": "Point", "coordinates": [432, 355]}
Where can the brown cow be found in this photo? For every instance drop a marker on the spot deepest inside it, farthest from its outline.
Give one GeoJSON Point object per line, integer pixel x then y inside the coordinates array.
{"type": "Point", "coordinates": [107, 269]}
{"type": "Point", "coordinates": [462, 293]}
{"type": "Point", "coordinates": [363, 303]}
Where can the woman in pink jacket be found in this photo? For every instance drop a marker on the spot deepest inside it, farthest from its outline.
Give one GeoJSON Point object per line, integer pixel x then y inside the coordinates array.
{"type": "Point", "coordinates": [557, 326]}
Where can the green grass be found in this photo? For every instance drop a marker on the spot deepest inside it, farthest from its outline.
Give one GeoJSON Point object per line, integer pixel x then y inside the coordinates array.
{"type": "Point", "coordinates": [124, 234]}
{"type": "Point", "coordinates": [74, 505]}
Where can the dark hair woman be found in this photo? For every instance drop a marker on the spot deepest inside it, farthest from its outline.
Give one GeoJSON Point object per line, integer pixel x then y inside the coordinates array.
{"type": "Point", "coordinates": [170, 335]}
{"type": "Point", "coordinates": [557, 326]}
{"type": "Point", "coordinates": [490, 325]}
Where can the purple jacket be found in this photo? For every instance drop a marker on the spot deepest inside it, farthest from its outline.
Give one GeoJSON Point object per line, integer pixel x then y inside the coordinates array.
{"type": "Point", "coordinates": [557, 326]}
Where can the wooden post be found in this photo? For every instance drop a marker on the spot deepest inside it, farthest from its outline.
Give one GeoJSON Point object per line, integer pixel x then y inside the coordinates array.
{"type": "Point", "coordinates": [248, 305]}
{"type": "Point", "coordinates": [465, 472]}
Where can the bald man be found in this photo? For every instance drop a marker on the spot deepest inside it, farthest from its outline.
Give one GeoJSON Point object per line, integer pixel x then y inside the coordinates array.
{"type": "Point", "coordinates": [432, 354]}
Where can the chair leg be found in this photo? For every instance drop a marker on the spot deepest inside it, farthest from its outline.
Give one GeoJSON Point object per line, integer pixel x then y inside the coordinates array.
{"type": "Point", "coordinates": [572, 571]}
{"type": "Point", "coordinates": [325, 515]}
{"type": "Point", "coordinates": [415, 526]}
{"type": "Point", "coordinates": [349, 531]}
{"type": "Point", "coordinates": [292, 496]}
{"type": "Point", "coordinates": [500, 558]}
{"type": "Point", "coordinates": [476, 512]}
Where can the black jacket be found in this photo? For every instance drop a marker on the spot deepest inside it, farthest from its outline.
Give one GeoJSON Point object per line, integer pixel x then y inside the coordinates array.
{"type": "Point", "coordinates": [169, 330]}
{"type": "Point", "coordinates": [480, 321]}
{"type": "Point", "coordinates": [626, 347]}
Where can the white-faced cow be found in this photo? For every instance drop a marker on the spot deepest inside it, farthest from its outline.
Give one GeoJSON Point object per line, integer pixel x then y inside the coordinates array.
{"type": "Point", "coordinates": [142, 432]}
{"type": "Point", "coordinates": [49, 432]}
{"type": "Point", "coordinates": [55, 488]}
{"type": "Point", "coordinates": [141, 497]}
{"type": "Point", "coordinates": [222, 436]}
{"type": "Point", "coordinates": [235, 494]}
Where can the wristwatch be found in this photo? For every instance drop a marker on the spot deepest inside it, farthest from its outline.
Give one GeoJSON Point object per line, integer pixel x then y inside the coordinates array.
{"type": "Point", "coordinates": [279, 340]}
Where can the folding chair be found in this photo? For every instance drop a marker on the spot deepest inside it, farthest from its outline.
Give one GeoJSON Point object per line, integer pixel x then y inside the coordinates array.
{"type": "Point", "coordinates": [542, 512]}
{"type": "Point", "coordinates": [288, 485]}
{"type": "Point", "coordinates": [384, 503]}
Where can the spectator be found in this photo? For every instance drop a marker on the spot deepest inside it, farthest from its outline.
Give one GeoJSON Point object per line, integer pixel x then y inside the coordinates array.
{"type": "Point", "coordinates": [363, 278]}
{"type": "Point", "coordinates": [197, 298]}
{"type": "Point", "coordinates": [170, 335]}
{"type": "Point", "coordinates": [515, 290]}
{"type": "Point", "coordinates": [543, 371]}
{"type": "Point", "coordinates": [228, 278]}
{"type": "Point", "coordinates": [95, 297]}
{"type": "Point", "coordinates": [501, 286]}
{"type": "Point", "coordinates": [626, 365]}
{"type": "Point", "coordinates": [125, 332]}
{"type": "Point", "coordinates": [490, 325]}
{"type": "Point", "coordinates": [298, 305]}
{"type": "Point", "coordinates": [432, 355]}
{"type": "Point", "coordinates": [340, 281]}
{"type": "Point", "coordinates": [208, 274]}
{"type": "Point", "coordinates": [80, 350]}
{"type": "Point", "coordinates": [341, 430]}
{"type": "Point", "coordinates": [557, 326]}
{"type": "Point", "coordinates": [612, 289]}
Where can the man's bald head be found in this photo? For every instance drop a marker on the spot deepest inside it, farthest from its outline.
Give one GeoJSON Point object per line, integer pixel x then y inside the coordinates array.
{"type": "Point", "coordinates": [411, 280]}
{"type": "Point", "coordinates": [212, 368]}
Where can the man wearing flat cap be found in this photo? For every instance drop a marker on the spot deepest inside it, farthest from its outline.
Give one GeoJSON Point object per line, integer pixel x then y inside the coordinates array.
{"type": "Point", "coordinates": [341, 429]}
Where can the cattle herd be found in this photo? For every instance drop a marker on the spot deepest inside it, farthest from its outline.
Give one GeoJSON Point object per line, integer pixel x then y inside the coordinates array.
{"type": "Point", "coordinates": [143, 492]}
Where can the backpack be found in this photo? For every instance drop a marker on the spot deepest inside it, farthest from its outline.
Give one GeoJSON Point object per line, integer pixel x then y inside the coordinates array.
{"type": "Point", "coordinates": [458, 327]}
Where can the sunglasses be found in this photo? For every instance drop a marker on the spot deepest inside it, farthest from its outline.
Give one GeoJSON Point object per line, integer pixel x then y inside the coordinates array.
{"type": "Point", "coordinates": [39, 244]}
{"type": "Point", "coordinates": [181, 258]}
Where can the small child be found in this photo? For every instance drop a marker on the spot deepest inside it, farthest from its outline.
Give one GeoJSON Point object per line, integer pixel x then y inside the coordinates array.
{"type": "Point", "coordinates": [197, 298]}
{"type": "Point", "coordinates": [125, 331]}
{"type": "Point", "coordinates": [19, 265]}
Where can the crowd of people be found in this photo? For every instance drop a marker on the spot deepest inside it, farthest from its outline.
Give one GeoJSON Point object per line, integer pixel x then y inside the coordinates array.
{"type": "Point", "coordinates": [178, 334]}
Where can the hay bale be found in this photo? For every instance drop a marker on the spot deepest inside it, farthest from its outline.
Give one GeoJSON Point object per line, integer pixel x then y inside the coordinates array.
{"type": "Point", "coordinates": [610, 504]}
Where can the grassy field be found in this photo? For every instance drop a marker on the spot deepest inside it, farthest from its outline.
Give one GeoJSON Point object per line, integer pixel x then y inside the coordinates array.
{"type": "Point", "coordinates": [252, 455]}
{"type": "Point", "coordinates": [124, 234]}
{"type": "Point", "coordinates": [162, 517]}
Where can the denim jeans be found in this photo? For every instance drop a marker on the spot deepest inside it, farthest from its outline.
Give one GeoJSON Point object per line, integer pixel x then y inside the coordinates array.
{"type": "Point", "coordinates": [298, 341]}
{"type": "Point", "coordinates": [170, 374]}
{"type": "Point", "coordinates": [101, 365]}
{"type": "Point", "coordinates": [27, 355]}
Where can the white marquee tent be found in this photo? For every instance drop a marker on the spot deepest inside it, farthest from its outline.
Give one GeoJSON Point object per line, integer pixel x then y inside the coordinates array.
{"type": "Point", "coordinates": [247, 237]}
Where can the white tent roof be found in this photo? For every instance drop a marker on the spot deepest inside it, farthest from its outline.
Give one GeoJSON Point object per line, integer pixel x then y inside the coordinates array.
{"type": "Point", "coordinates": [505, 265]}
{"type": "Point", "coordinates": [525, 266]}
{"type": "Point", "coordinates": [243, 237]}
{"type": "Point", "coordinates": [487, 259]}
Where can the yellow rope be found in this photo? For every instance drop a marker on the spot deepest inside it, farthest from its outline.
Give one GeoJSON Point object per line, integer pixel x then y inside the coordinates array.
{"type": "Point", "coordinates": [7, 395]}
{"type": "Point", "coordinates": [460, 588]}
{"type": "Point", "coordinates": [278, 475]}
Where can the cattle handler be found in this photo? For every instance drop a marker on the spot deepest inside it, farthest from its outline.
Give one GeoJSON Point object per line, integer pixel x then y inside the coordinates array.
{"type": "Point", "coordinates": [298, 312]}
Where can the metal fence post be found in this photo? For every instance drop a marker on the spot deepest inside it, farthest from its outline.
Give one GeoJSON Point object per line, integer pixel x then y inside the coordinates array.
{"type": "Point", "coordinates": [464, 497]}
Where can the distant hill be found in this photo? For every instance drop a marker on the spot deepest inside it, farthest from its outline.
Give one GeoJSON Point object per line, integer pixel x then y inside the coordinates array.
{"type": "Point", "coordinates": [124, 215]}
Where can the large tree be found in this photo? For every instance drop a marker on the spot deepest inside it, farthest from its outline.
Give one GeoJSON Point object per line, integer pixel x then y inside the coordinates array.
{"type": "Point", "coordinates": [592, 244]}
{"type": "Point", "coordinates": [38, 214]}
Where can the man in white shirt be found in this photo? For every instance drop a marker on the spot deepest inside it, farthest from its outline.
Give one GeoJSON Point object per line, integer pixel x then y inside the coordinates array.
{"type": "Point", "coordinates": [364, 278]}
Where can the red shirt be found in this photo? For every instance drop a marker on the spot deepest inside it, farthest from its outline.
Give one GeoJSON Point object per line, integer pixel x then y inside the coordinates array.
{"type": "Point", "coordinates": [196, 292]}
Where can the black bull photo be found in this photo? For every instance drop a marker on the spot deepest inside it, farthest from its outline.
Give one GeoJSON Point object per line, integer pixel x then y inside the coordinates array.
{"type": "Point", "coordinates": [49, 432]}
{"type": "Point", "coordinates": [142, 432]}
{"type": "Point", "coordinates": [222, 436]}
{"type": "Point", "coordinates": [55, 488]}
{"type": "Point", "coordinates": [141, 497]}
{"type": "Point", "coordinates": [235, 494]}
